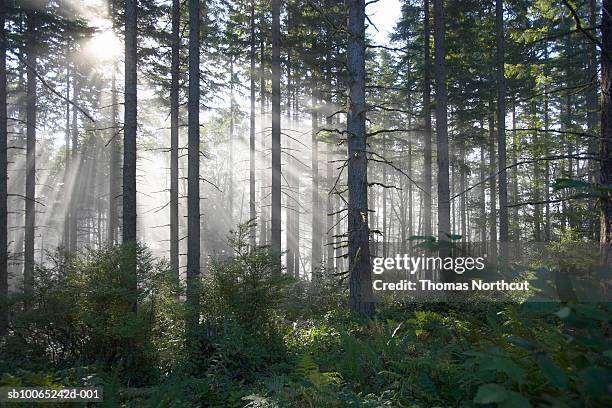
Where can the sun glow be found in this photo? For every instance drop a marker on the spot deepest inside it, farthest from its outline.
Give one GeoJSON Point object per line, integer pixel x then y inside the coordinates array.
{"type": "Point", "coordinates": [103, 46]}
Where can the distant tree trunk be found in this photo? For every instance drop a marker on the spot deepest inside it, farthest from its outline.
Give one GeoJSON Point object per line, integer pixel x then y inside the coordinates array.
{"type": "Point", "coordinates": [329, 174]}
{"type": "Point", "coordinates": [492, 188]}
{"type": "Point", "coordinates": [315, 262]}
{"type": "Point", "coordinates": [385, 243]}
{"type": "Point", "coordinates": [263, 219]}
{"type": "Point", "coordinates": [360, 280]}
{"type": "Point", "coordinates": [252, 213]}
{"type": "Point", "coordinates": [31, 110]}
{"type": "Point", "coordinates": [427, 202]}
{"type": "Point", "coordinates": [174, 139]}
{"type": "Point", "coordinates": [515, 191]}
{"type": "Point", "coordinates": [547, 229]}
{"type": "Point", "coordinates": [230, 189]}
{"type": "Point", "coordinates": [501, 129]}
{"type": "Point", "coordinates": [605, 148]}
{"type": "Point", "coordinates": [275, 226]}
{"type": "Point", "coordinates": [537, 210]}
{"type": "Point", "coordinates": [592, 106]}
{"type": "Point", "coordinates": [442, 131]}
{"type": "Point", "coordinates": [193, 176]}
{"type": "Point", "coordinates": [66, 238]}
{"type": "Point", "coordinates": [410, 195]}
{"type": "Point", "coordinates": [291, 200]}
{"type": "Point", "coordinates": [483, 200]}
{"type": "Point", "coordinates": [4, 316]}
{"type": "Point", "coordinates": [463, 199]}
{"type": "Point", "coordinates": [130, 124]}
{"type": "Point", "coordinates": [76, 161]}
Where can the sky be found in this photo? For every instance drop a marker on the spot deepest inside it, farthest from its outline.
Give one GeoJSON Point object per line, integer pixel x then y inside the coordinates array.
{"type": "Point", "coordinates": [384, 14]}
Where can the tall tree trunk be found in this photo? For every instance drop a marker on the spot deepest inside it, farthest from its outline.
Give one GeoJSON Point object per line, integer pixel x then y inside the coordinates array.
{"type": "Point", "coordinates": [492, 188]}
{"type": "Point", "coordinates": [66, 238]}
{"type": "Point", "coordinates": [501, 129]}
{"type": "Point", "coordinates": [30, 193]}
{"type": "Point", "coordinates": [315, 262]}
{"type": "Point", "coordinates": [174, 139]}
{"type": "Point", "coordinates": [483, 200]}
{"type": "Point", "coordinates": [442, 132]}
{"type": "Point", "coordinates": [427, 202]}
{"type": "Point", "coordinates": [129, 138]}
{"type": "Point", "coordinates": [296, 182]}
{"type": "Point", "coordinates": [290, 199]}
{"type": "Point", "coordinates": [592, 106]}
{"type": "Point", "coordinates": [76, 162]}
{"type": "Point", "coordinates": [193, 174]}
{"type": "Point", "coordinates": [547, 229]}
{"type": "Point", "coordinates": [329, 174]}
{"type": "Point", "coordinates": [252, 213]}
{"type": "Point", "coordinates": [537, 210]}
{"type": "Point", "coordinates": [263, 219]}
{"type": "Point", "coordinates": [360, 280]}
{"type": "Point", "coordinates": [385, 243]}
{"type": "Point", "coordinates": [230, 189]}
{"type": "Point", "coordinates": [275, 226]}
{"type": "Point", "coordinates": [605, 148]}
{"type": "Point", "coordinates": [3, 177]}
{"type": "Point", "coordinates": [515, 190]}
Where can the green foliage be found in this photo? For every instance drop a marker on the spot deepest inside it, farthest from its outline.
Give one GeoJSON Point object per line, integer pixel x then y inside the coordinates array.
{"type": "Point", "coordinates": [81, 312]}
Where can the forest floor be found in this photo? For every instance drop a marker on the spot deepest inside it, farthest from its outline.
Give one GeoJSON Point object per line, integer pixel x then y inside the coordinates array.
{"type": "Point", "coordinates": [280, 342]}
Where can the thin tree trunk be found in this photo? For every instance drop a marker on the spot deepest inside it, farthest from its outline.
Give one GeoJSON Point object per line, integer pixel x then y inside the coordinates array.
{"type": "Point", "coordinates": [442, 131]}
{"type": "Point", "coordinates": [4, 316]}
{"type": "Point", "coordinates": [252, 213]}
{"type": "Point", "coordinates": [329, 173]}
{"type": "Point", "coordinates": [501, 129]}
{"type": "Point", "coordinates": [263, 221]}
{"type": "Point", "coordinates": [360, 280]}
{"type": "Point", "coordinates": [291, 200]}
{"type": "Point", "coordinates": [385, 243]}
{"type": "Point", "coordinates": [193, 176]}
{"type": "Point", "coordinates": [492, 188]}
{"type": "Point", "coordinates": [66, 238]}
{"type": "Point", "coordinates": [230, 189]}
{"type": "Point", "coordinates": [30, 193]}
{"type": "Point", "coordinates": [315, 261]}
{"type": "Point", "coordinates": [592, 106]}
{"type": "Point", "coordinates": [76, 162]}
{"type": "Point", "coordinates": [483, 201]}
{"type": "Point", "coordinates": [275, 226]}
{"type": "Point", "coordinates": [427, 202]}
{"type": "Point", "coordinates": [174, 140]}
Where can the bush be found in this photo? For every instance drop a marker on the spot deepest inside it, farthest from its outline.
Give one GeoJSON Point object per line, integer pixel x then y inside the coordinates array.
{"type": "Point", "coordinates": [81, 312]}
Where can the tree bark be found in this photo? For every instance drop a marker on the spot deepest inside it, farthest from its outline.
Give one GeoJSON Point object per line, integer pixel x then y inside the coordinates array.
{"type": "Point", "coordinates": [492, 189]}
{"type": "Point", "coordinates": [360, 281]}
{"type": "Point", "coordinates": [252, 213]}
{"type": "Point", "coordinates": [66, 238]}
{"type": "Point", "coordinates": [501, 129]}
{"type": "Point", "coordinates": [315, 262]}
{"type": "Point", "coordinates": [592, 104]}
{"type": "Point", "coordinates": [130, 124]}
{"type": "Point", "coordinates": [3, 176]}
{"type": "Point", "coordinates": [275, 226]}
{"type": "Point", "coordinates": [174, 139]}
{"type": "Point", "coordinates": [31, 111]}
{"type": "Point", "coordinates": [427, 202]}
{"type": "Point", "coordinates": [193, 176]}
{"type": "Point", "coordinates": [442, 132]}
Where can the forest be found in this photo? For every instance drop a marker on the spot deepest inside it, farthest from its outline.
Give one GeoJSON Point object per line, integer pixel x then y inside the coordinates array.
{"type": "Point", "coordinates": [230, 203]}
